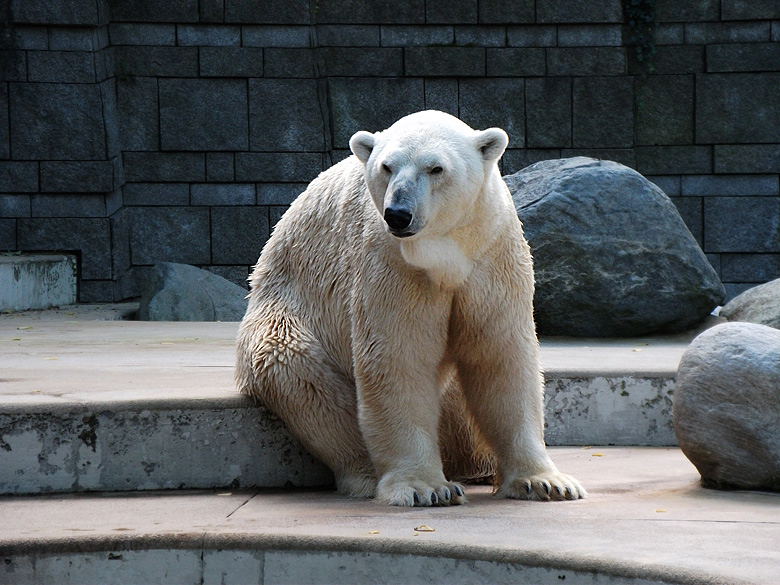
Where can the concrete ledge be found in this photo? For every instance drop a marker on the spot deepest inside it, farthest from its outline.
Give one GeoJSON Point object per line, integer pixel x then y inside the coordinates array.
{"type": "Point", "coordinates": [95, 406]}
{"type": "Point", "coordinates": [646, 520]}
{"type": "Point", "coordinates": [37, 281]}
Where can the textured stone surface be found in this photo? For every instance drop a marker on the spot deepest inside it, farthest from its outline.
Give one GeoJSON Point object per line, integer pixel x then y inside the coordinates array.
{"type": "Point", "coordinates": [180, 292]}
{"type": "Point", "coordinates": [760, 304]}
{"type": "Point", "coordinates": [612, 255]}
{"type": "Point", "coordinates": [238, 234]}
{"type": "Point", "coordinates": [727, 406]}
{"type": "Point", "coordinates": [173, 234]}
{"type": "Point", "coordinates": [285, 115]}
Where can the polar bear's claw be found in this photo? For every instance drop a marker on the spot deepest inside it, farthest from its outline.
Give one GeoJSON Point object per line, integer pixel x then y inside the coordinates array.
{"type": "Point", "coordinates": [544, 487]}
{"type": "Point", "coordinates": [450, 494]}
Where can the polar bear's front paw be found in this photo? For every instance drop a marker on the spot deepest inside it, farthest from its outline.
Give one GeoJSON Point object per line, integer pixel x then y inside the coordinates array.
{"type": "Point", "coordinates": [545, 486]}
{"type": "Point", "coordinates": [414, 493]}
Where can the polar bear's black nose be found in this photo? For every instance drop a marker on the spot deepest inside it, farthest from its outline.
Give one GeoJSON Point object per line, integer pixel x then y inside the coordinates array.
{"type": "Point", "coordinates": [398, 218]}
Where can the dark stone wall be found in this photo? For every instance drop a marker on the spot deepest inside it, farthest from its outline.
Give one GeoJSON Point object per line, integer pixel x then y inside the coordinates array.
{"type": "Point", "coordinates": [134, 132]}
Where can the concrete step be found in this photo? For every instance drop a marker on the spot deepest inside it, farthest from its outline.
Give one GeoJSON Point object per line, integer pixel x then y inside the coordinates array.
{"type": "Point", "coordinates": [646, 520]}
{"type": "Point", "coordinates": [36, 281]}
{"type": "Point", "coordinates": [98, 406]}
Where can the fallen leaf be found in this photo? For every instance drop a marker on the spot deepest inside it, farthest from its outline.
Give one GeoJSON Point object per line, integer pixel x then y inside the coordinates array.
{"type": "Point", "coordinates": [51, 358]}
{"type": "Point", "coordinates": [636, 350]}
{"type": "Point", "coordinates": [597, 454]}
{"type": "Point", "coordinates": [374, 532]}
{"type": "Point", "coordinates": [424, 528]}
{"type": "Point", "coordinates": [16, 339]}
{"type": "Point", "coordinates": [660, 511]}
{"type": "Point", "coordinates": [24, 328]}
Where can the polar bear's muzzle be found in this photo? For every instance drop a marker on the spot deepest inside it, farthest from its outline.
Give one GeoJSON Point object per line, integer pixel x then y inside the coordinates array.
{"type": "Point", "coordinates": [398, 219]}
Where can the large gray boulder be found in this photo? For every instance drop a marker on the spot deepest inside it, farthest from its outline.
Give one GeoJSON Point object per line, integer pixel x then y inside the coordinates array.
{"type": "Point", "coordinates": [727, 406]}
{"type": "Point", "coordinates": [760, 304]}
{"type": "Point", "coordinates": [612, 256]}
{"type": "Point", "coordinates": [180, 292]}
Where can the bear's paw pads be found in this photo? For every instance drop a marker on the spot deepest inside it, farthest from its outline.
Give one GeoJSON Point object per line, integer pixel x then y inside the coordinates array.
{"type": "Point", "coordinates": [419, 494]}
{"type": "Point", "coordinates": [543, 487]}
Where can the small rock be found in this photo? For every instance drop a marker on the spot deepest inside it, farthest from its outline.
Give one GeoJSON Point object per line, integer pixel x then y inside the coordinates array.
{"type": "Point", "coordinates": [727, 406]}
{"type": "Point", "coordinates": [180, 292]}
{"type": "Point", "coordinates": [612, 256]}
{"type": "Point", "coordinates": [760, 304]}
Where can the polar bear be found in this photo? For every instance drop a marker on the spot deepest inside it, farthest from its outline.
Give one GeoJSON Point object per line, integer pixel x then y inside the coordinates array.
{"type": "Point", "coordinates": [390, 322]}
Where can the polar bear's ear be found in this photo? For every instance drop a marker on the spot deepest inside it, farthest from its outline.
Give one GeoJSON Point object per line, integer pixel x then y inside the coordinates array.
{"type": "Point", "coordinates": [361, 144]}
{"type": "Point", "coordinates": [491, 143]}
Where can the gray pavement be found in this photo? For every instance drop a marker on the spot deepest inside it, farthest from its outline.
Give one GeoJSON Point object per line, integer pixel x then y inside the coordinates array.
{"type": "Point", "coordinates": [88, 402]}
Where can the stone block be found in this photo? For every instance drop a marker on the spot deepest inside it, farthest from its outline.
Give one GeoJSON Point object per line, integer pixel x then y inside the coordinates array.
{"type": "Point", "coordinates": [289, 63]}
{"type": "Point", "coordinates": [30, 38]}
{"type": "Point", "coordinates": [673, 160]}
{"type": "Point", "coordinates": [220, 167]}
{"type": "Point", "coordinates": [350, 35]}
{"type": "Point", "coordinates": [748, 158]}
{"type": "Point", "coordinates": [145, 167]}
{"type": "Point", "coordinates": [275, 213]}
{"type": "Point", "coordinates": [669, 184]}
{"type": "Point", "coordinates": [664, 109]}
{"type": "Point", "coordinates": [575, 11]}
{"type": "Point", "coordinates": [362, 12]}
{"type": "Point", "coordinates": [285, 115]}
{"type": "Point", "coordinates": [138, 113]}
{"type": "Point", "coordinates": [278, 167]}
{"type": "Point", "coordinates": [516, 159]}
{"type": "Point", "coordinates": [57, 122]}
{"type": "Point", "coordinates": [749, 9]}
{"type": "Point", "coordinates": [586, 61]}
{"type": "Point", "coordinates": [671, 60]}
{"type": "Point", "coordinates": [676, 11]}
{"type": "Point", "coordinates": [279, 193]}
{"type": "Point", "coordinates": [142, 34]}
{"type": "Point", "coordinates": [730, 185]}
{"type": "Point", "coordinates": [233, 194]}
{"type": "Point", "coordinates": [447, 12]}
{"type": "Point", "coordinates": [480, 36]}
{"type": "Point", "coordinates": [212, 10]}
{"type": "Point", "coordinates": [231, 62]}
{"type": "Point", "coordinates": [485, 103]}
{"type": "Point", "coordinates": [8, 234]}
{"type": "Point", "coordinates": [690, 209]}
{"type": "Point", "coordinates": [14, 205]}
{"type": "Point", "coordinates": [5, 145]}
{"type": "Point", "coordinates": [97, 291]}
{"type": "Point", "coordinates": [776, 30]}
{"type": "Point", "coordinates": [590, 35]}
{"type": "Point", "coordinates": [506, 11]}
{"type": "Point", "coordinates": [90, 236]}
{"type": "Point", "coordinates": [267, 11]}
{"type": "Point", "coordinates": [81, 205]}
{"type": "Point", "coordinates": [139, 61]}
{"type": "Point", "coordinates": [276, 36]}
{"type": "Point", "coordinates": [727, 32]}
{"type": "Point", "coordinates": [669, 34]}
{"type": "Point", "coordinates": [750, 267]}
{"type": "Point", "coordinates": [77, 176]}
{"type": "Point", "coordinates": [13, 65]}
{"type": "Point", "coordinates": [37, 281]}
{"type": "Point", "coordinates": [417, 36]}
{"type": "Point", "coordinates": [603, 112]}
{"type": "Point", "coordinates": [179, 11]}
{"type": "Point", "coordinates": [156, 194]}
{"type": "Point", "coordinates": [170, 234]}
{"type": "Point", "coordinates": [18, 177]}
{"type": "Point", "coordinates": [445, 61]}
{"type": "Point", "coordinates": [442, 94]}
{"type": "Point", "coordinates": [391, 99]}
{"type": "Point", "coordinates": [203, 114]}
{"type": "Point", "coordinates": [742, 224]}
{"type": "Point", "coordinates": [548, 112]}
{"type": "Point", "coordinates": [743, 57]}
{"type": "Point", "coordinates": [516, 62]}
{"type": "Point", "coordinates": [212, 35]}
{"type": "Point", "coordinates": [76, 12]}
{"type": "Point", "coordinates": [732, 108]}
{"type": "Point", "coordinates": [532, 36]}
{"type": "Point", "coordinates": [238, 275]}
{"type": "Point", "coordinates": [238, 234]}
{"type": "Point", "coordinates": [363, 61]}
{"type": "Point", "coordinates": [72, 39]}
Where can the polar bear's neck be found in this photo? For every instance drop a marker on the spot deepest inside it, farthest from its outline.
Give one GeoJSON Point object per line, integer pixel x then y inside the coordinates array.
{"type": "Point", "coordinates": [441, 258]}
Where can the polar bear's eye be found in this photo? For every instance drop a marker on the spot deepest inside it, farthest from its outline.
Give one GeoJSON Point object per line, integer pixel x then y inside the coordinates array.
{"type": "Point", "coordinates": [386, 169]}
{"type": "Point", "coordinates": [436, 170]}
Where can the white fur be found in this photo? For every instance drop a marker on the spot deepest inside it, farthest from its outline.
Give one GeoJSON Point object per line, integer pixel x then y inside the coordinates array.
{"type": "Point", "coordinates": [379, 350]}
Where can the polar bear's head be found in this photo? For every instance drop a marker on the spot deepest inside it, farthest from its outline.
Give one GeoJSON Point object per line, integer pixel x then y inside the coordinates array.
{"type": "Point", "coordinates": [426, 171]}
